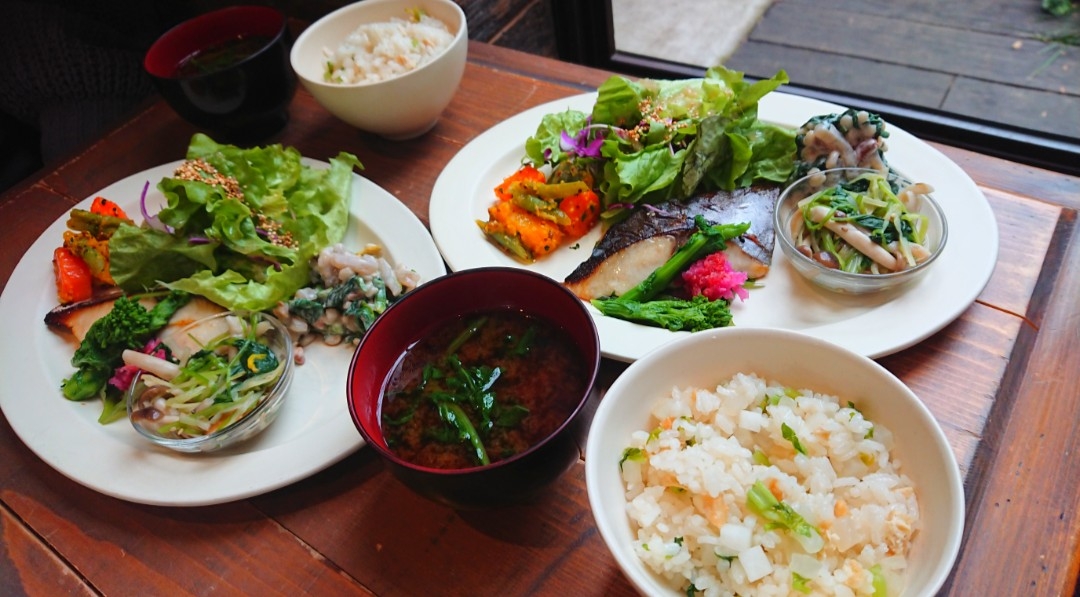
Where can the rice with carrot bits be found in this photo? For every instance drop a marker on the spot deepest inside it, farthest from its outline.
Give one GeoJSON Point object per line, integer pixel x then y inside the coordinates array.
{"type": "Point", "coordinates": [375, 52]}
{"type": "Point", "coordinates": [754, 488]}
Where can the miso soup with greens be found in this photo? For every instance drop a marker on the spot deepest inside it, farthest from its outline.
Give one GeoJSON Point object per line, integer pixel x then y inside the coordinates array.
{"type": "Point", "coordinates": [221, 55]}
{"type": "Point", "coordinates": [480, 389]}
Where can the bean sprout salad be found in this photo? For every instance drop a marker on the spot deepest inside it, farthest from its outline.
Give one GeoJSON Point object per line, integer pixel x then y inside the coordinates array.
{"type": "Point", "coordinates": [233, 368]}
{"type": "Point", "coordinates": [870, 224]}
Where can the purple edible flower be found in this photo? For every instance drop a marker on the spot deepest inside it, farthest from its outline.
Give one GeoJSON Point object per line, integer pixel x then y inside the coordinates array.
{"type": "Point", "coordinates": [581, 144]}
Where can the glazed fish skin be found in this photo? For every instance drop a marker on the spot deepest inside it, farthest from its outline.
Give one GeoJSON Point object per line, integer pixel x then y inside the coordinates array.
{"type": "Point", "coordinates": [632, 249]}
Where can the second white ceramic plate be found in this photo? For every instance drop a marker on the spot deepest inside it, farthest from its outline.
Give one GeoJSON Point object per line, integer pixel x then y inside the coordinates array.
{"type": "Point", "coordinates": [872, 326]}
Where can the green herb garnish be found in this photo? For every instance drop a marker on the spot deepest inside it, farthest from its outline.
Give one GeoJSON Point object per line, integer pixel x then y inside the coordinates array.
{"type": "Point", "coordinates": [789, 434]}
{"type": "Point", "coordinates": [634, 454]}
{"type": "Point", "coordinates": [880, 587]}
{"type": "Point", "coordinates": [800, 583]}
{"type": "Point", "coordinates": [762, 502]}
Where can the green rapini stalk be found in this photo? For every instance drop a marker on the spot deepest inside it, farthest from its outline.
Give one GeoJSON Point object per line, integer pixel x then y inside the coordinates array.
{"type": "Point", "coordinates": [708, 239]}
{"type": "Point", "coordinates": [127, 326]}
{"type": "Point", "coordinates": [695, 314]}
{"type": "Point", "coordinates": [692, 315]}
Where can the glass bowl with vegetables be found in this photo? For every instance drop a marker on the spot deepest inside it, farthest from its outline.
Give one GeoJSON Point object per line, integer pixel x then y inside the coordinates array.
{"type": "Point", "coordinates": [859, 230]}
{"type": "Point", "coordinates": [211, 384]}
{"type": "Point", "coordinates": [475, 388]}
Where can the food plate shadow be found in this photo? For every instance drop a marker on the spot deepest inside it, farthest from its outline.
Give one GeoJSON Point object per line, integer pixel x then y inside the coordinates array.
{"type": "Point", "coordinates": [528, 525]}
{"type": "Point", "coordinates": [335, 482]}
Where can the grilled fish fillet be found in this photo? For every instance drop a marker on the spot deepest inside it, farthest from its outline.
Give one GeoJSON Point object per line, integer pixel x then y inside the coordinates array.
{"type": "Point", "coordinates": [632, 249]}
{"type": "Point", "coordinates": [76, 318]}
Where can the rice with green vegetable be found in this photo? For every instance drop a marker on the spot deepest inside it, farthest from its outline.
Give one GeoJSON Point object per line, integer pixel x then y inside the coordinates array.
{"type": "Point", "coordinates": [375, 52]}
{"type": "Point", "coordinates": [758, 489]}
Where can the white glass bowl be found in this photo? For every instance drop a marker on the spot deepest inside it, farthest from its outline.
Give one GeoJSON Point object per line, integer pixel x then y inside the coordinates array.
{"type": "Point", "coordinates": [787, 216]}
{"type": "Point", "coordinates": [188, 340]}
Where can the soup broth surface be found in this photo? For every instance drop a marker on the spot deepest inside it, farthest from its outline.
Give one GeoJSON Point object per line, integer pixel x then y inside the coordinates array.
{"type": "Point", "coordinates": [536, 377]}
{"type": "Point", "coordinates": [220, 55]}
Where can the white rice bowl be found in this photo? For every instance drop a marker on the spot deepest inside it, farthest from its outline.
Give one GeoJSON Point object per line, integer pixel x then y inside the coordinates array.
{"type": "Point", "coordinates": [397, 106]}
{"type": "Point", "coordinates": [691, 415]}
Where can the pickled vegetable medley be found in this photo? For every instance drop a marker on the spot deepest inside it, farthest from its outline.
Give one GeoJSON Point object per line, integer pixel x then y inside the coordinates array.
{"type": "Point", "coordinates": [533, 215]}
{"type": "Point", "coordinates": [231, 373]}
{"type": "Point", "coordinates": [867, 225]}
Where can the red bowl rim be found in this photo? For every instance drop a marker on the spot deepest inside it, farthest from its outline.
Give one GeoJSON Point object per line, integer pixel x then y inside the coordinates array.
{"type": "Point", "coordinates": [209, 28]}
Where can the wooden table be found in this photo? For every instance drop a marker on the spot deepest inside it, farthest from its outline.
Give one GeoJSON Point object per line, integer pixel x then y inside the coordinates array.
{"type": "Point", "coordinates": [1003, 380]}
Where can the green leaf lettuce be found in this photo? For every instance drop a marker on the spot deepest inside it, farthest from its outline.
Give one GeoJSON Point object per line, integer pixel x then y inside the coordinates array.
{"type": "Point", "coordinates": [672, 138]}
{"type": "Point", "coordinates": [215, 248]}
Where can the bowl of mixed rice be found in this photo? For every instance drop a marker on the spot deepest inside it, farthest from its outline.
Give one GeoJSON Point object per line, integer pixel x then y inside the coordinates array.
{"type": "Point", "coordinates": [768, 462]}
{"type": "Point", "coordinates": [388, 67]}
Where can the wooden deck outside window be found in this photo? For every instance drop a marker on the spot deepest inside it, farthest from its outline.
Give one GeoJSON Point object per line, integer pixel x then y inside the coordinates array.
{"type": "Point", "coordinates": [585, 35]}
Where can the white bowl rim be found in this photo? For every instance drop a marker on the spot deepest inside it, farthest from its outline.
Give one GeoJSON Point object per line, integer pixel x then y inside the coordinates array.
{"type": "Point", "coordinates": [607, 520]}
{"type": "Point", "coordinates": [310, 31]}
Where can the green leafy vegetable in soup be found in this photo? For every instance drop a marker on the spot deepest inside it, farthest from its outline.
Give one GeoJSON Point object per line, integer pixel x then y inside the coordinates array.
{"type": "Point", "coordinates": [480, 389]}
{"type": "Point", "coordinates": [221, 55]}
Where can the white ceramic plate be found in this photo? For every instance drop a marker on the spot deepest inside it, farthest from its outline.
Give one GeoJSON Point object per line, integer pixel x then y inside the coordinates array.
{"type": "Point", "coordinates": [872, 326]}
{"type": "Point", "coordinates": [312, 432]}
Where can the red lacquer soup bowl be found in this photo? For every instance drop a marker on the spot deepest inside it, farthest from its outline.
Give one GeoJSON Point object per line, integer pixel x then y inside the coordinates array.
{"type": "Point", "coordinates": [490, 374]}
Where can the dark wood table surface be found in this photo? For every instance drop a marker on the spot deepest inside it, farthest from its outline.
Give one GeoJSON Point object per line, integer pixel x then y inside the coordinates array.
{"type": "Point", "coordinates": [1003, 380]}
